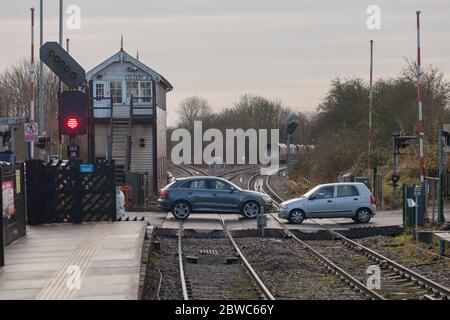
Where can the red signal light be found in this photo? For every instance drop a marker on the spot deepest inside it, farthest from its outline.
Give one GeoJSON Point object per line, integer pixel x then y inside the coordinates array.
{"type": "Point", "coordinates": [72, 123]}
{"type": "Point", "coordinates": [73, 113]}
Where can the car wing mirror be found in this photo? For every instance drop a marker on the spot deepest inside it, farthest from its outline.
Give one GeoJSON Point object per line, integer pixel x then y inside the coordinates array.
{"type": "Point", "coordinates": [311, 197]}
{"type": "Point", "coordinates": [232, 189]}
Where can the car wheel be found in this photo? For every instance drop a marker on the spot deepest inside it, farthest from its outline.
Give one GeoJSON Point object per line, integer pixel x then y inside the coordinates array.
{"type": "Point", "coordinates": [250, 209]}
{"type": "Point", "coordinates": [296, 216]}
{"type": "Point", "coordinates": [181, 210]}
{"type": "Point", "coordinates": [363, 215]}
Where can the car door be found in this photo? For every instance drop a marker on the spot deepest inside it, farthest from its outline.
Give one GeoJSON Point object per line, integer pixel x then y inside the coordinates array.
{"type": "Point", "coordinates": [347, 198]}
{"type": "Point", "coordinates": [198, 194]}
{"type": "Point", "coordinates": [321, 202]}
{"type": "Point", "coordinates": [223, 197]}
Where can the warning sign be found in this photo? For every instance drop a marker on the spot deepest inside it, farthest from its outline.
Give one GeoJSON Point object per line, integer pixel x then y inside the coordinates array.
{"type": "Point", "coordinates": [8, 198]}
{"type": "Point", "coordinates": [31, 131]}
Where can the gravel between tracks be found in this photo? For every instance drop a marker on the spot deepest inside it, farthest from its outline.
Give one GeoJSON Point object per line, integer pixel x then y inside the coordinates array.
{"type": "Point", "coordinates": [166, 261]}
{"type": "Point", "coordinates": [289, 273]}
{"type": "Point", "coordinates": [212, 277]}
{"type": "Point", "coordinates": [350, 261]}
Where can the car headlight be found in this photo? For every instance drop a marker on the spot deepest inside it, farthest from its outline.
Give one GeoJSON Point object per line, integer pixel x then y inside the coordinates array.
{"type": "Point", "coordinates": [283, 206]}
{"type": "Point", "coordinates": [267, 199]}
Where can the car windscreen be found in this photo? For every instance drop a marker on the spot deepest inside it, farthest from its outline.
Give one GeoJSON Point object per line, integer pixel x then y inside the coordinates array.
{"type": "Point", "coordinates": [310, 192]}
{"type": "Point", "coordinates": [235, 186]}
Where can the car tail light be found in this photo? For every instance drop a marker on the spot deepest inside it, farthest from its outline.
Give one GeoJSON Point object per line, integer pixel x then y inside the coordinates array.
{"type": "Point", "coordinates": [372, 199]}
{"type": "Point", "coordinates": [163, 193]}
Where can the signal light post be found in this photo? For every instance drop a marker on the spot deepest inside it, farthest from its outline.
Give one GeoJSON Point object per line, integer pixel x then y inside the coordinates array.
{"type": "Point", "coordinates": [33, 88]}
{"type": "Point", "coordinates": [420, 106]}
{"type": "Point", "coordinates": [291, 125]}
{"type": "Point", "coordinates": [398, 142]}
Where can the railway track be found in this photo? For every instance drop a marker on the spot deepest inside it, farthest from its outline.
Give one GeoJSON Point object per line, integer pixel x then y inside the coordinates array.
{"type": "Point", "coordinates": [190, 170]}
{"type": "Point", "coordinates": [217, 269]}
{"type": "Point", "coordinates": [235, 173]}
{"type": "Point", "coordinates": [399, 282]}
{"type": "Point", "coordinates": [193, 171]}
{"type": "Point", "coordinates": [195, 276]}
{"type": "Point", "coordinates": [229, 175]}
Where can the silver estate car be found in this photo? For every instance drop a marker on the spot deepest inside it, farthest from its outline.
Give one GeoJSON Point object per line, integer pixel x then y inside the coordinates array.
{"type": "Point", "coordinates": [334, 200]}
{"type": "Point", "coordinates": [211, 195]}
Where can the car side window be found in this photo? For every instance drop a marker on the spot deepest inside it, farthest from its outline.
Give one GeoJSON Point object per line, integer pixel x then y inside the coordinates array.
{"type": "Point", "coordinates": [347, 191]}
{"type": "Point", "coordinates": [219, 185]}
{"type": "Point", "coordinates": [194, 184]}
{"type": "Point", "coordinates": [324, 193]}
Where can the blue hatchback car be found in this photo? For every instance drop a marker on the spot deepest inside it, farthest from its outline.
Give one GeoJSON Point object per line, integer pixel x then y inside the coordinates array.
{"type": "Point", "coordinates": [211, 195]}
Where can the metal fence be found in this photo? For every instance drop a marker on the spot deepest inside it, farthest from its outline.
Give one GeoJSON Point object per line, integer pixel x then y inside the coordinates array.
{"type": "Point", "coordinates": [13, 220]}
{"type": "Point", "coordinates": [59, 191]}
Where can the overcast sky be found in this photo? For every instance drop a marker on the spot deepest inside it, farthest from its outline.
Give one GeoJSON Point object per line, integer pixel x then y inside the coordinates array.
{"type": "Point", "coordinates": [221, 49]}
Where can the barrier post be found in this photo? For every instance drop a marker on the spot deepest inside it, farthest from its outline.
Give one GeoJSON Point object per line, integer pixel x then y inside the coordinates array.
{"type": "Point", "coordinates": [261, 221]}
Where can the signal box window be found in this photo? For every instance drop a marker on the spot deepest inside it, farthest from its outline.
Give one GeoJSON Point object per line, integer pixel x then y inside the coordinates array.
{"type": "Point", "coordinates": [116, 91]}
{"type": "Point", "coordinates": [146, 91]}
{"type": "Point", "coordinates": [100, 90]}
{"type": "Point", "coordinates": [132, 89]}
{"type": "Point", "coordinates": [347, 191]}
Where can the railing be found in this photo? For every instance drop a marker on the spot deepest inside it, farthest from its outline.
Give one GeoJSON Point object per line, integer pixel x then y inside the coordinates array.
{"type": "Point", "coordinates": [118, 110]}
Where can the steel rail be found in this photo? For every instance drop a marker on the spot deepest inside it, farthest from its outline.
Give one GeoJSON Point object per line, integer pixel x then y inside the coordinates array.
{"type": "Point", "coordinates": [393, 265]}
{"type": "Point", "coordinates": [195, 169]}
{"type": "Point", "coordinates": [273, 193]}
{"type": "Point", "coordinates": [429, 284]}
{"type": "Point", "coordinates": [268, 295]}
{"type": "Point", "coordinates": [223, 174]}
{"type": "Point", "coordinates": [252, 178]}
{"type": "Point", "coordinates": [180, 167]}
{"type": "Point", "coordinates": [234, 173]}
{"type": "Point", "coordinates": [250, 171]}
{"type": "Point", "coordinates": [331, 266]}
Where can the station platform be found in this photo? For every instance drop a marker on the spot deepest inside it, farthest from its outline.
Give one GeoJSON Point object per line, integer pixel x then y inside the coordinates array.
{"type": "Point", "coordinates": [75, 262]}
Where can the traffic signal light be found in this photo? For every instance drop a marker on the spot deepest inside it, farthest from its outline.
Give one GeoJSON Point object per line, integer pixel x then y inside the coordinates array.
{"type": "Point", "coordinates": [395, 179]}
{"type": "Point", "coordinates": [42, 142]}
{"type": "Point", "coordinates": [291, 124]}
{"type": "Point", "coordinates": [401, 142]}
{"type": "Point", "coordinates": [73, 113]}
{"type": "Point", "coordinates": [62, 64]}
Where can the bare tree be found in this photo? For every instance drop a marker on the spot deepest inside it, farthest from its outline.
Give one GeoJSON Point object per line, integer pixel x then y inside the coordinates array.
{"type": "Point", "coordinates": [193, 109]}
{"type": "Point", "coordinates": [15, 94]}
